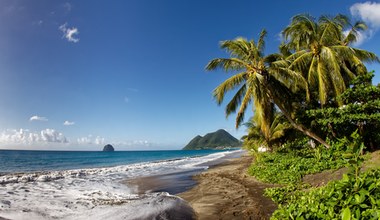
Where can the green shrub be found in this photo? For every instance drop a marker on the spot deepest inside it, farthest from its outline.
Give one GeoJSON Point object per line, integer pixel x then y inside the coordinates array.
{"type": "Point", "coordinates": [289, 165]}
{"type": "Point", "coordinates": [356, 196]}
{"type": "Point", "coordinates": [349, 198]}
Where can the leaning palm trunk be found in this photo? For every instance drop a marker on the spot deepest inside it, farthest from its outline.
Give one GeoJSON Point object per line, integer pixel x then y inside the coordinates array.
{"type": "Point", "coordinates": [280, 96]}
{"type": "Point", "coordinates": [301, 128]}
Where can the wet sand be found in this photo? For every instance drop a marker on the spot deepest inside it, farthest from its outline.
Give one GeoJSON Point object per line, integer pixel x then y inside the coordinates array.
{"type": "Point", "coordinates": [225, 191]}
{"type": "Point", "coordinates": [175, 183]}
{"type": "Point", "coordinates": [172, 183]}
{"type": "Point", "coordinates": [228, 192]}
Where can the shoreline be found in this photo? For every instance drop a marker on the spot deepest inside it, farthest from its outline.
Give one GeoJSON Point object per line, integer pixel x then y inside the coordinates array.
{"type": "Point", "coordinates": [226, 191]}
{"type": "Point", "coordinates": [217, 189]}
{"type": "Point", "coordinates": [177, 182]}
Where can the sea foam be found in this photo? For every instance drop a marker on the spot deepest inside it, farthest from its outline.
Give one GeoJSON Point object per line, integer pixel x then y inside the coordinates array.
{"type": "Point", "coordinates": [95, 193]}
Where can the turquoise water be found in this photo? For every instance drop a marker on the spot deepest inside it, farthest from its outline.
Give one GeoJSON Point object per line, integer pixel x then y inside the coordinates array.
{"type": "Point", "coordinates": [15, 161]}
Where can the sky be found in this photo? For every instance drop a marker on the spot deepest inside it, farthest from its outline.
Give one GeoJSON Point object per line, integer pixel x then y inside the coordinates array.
{"type": "Point", "coordinates": [76, 75]}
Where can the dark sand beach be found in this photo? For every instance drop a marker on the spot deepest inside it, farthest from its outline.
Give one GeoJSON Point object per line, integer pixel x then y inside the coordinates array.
{"type": "Point", "coordinates": [225, 191]}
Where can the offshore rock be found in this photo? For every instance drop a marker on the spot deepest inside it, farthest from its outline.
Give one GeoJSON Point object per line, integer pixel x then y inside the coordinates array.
{"type": "Point", "coordinates": [108, 147]}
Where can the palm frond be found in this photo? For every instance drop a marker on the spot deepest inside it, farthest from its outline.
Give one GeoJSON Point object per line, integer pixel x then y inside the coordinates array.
{"type": "Point", "coordinates": [366, 56]}
{"type": "Point", "coordinates": [261, 42]}
{"type": "Point", "coordinates": [243, 106]}
{"type": "Point", "coordinates": [278, 127]}
{"type": "Point", "coordinates": [236, 100]}
{"type": "Point", "coordinates": [237, 48]}
{"type": "Point", "coordinates": [300, 60]}
{"type": "Point", "coordinates": [293, 80]}
{"type": "Point", "coordinates": [301, 32]}
{"type": "Point", "coordinates": [354, 32]}
{"type": "Point", "coordinates": [229, 84]}
{"type": "Point", "coordinates": [330, 31]}
{"type": "Point", "coordinates": [227, 64]}
{"type": "Point", "coordinates": [285, 50]}
{"type": "Point", "coordinates": [333, 68]}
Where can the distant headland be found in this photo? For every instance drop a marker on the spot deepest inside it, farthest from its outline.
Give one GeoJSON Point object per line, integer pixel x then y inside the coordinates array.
{"type": "Point", "coordinates": [217, 140]}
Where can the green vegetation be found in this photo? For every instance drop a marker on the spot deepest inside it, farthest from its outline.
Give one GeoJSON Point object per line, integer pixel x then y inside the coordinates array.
{"type": "Point", "coordinates": [355, 196]}
{"type": "Point", "coordinates": [215, 140]}
{"type": "Point", "coordinates": [278, 129]}
{"type": "Point", "coordinates": [315, 109]}
{"type": "Point", "coordinates": [289, 166]}
{"type": "Point", "coordinates": [348, 198]}
{"type": "Point", "coordinates": [361, 111]}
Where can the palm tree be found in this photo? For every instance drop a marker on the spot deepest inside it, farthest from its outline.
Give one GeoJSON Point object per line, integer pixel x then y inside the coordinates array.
{"type": "Point", "coordinates": [323, 55]}
{"type": "Point", "coordinates": [255, 82]}
{"type": "Point", "coordinates": [277, 130]}
{"type": "Point", "coordinates": [248, 60]}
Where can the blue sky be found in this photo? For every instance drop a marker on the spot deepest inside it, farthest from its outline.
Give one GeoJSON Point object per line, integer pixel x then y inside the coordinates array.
{"type": "Point", "coordinates": [75, 75]}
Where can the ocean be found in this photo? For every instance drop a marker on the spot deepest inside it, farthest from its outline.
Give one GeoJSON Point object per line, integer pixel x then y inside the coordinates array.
{"type": "Point", "coordinates": [92, 185]}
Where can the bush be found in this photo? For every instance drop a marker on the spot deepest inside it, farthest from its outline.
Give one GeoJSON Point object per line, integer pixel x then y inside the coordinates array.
{"type": "Point", "coordinates": [289, 165]}
{"type": "Point", "coordinates": [356, 196]}
{"type": "Point", "coordinates": [349, 198]}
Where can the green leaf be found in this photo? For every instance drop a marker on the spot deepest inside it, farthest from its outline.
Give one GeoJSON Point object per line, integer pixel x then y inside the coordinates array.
{"type": "Point", "coordinates": [346, 214]}
{"type": "Point", "coordinates": [345, 178]}
{"type": "Point", "coordinates": [347, 155]}
{"type": "Point", "coordinates": [357, 198]}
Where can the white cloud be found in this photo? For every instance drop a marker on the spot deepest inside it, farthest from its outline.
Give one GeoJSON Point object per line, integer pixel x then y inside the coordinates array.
{"type": "Point", "coordinates": [69, 33]}
{"type": "Point", "coordinates": [68, 123]}
{"type": "Point", "coordinates": [91, 140]}
{"type": "Point", "coordinates": [131, 144]}
{"type": "Point", "coordinates": [38, 118]}
{"type": "Point", "coordinates": [99, 140]}
{"type": "Point", "coordinates": [85, 140]}
{"type": "Point", "coordinates": [135, 143]}
{"type": "Point", "coordinates": [52, 136]}
{"type": "Point", "coordinates": [369, 12]}
{"type": "Point", "coordinates": [26, 137]}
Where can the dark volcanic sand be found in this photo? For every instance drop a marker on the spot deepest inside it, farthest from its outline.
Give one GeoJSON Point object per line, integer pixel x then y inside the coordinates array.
{"type": "Point", "coordinates": [225, 191]}
{"type": "Point", "coordinates": [228, 192]}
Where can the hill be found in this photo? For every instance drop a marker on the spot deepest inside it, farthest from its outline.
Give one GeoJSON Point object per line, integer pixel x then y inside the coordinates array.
{"type": "Point", "coordinates": [216, 140]}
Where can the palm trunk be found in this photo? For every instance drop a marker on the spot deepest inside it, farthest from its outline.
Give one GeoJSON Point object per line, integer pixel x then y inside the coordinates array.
{"type": "Point", "coordinates": [303, 129]}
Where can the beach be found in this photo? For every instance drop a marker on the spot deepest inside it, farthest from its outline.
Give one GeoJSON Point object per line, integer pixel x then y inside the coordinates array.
{"type": "Point", "coordinates": [214, 186]}
{"type": "Point", "coordinates": [224, 191]}
{"type": "Point", "coordinates": [227, 192]}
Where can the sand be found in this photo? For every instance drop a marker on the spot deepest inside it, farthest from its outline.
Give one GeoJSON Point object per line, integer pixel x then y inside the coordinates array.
{"type": "Point", "coordinates": [228, 192]}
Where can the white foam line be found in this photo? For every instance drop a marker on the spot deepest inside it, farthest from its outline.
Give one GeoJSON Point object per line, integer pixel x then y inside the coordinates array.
{"type": "Point", "coordinates": [90, 193]}
{"type": "Point", "coordinates": [123, 171]}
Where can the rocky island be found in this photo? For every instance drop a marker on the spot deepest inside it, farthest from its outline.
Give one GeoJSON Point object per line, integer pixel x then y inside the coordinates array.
{"type": "Point", "coordinates": [108, 147]}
